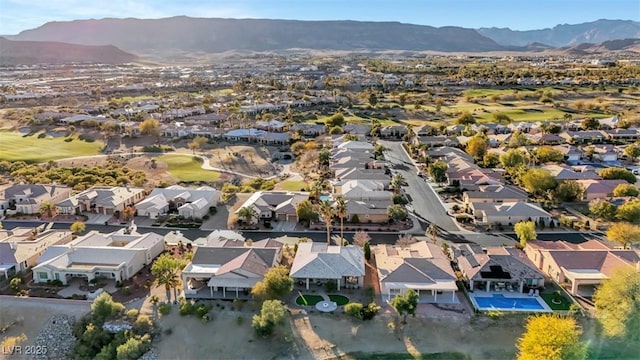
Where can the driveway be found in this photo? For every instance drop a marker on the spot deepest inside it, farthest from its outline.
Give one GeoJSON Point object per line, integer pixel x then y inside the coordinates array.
{"type": "Point", "coordinates": [97, 218]}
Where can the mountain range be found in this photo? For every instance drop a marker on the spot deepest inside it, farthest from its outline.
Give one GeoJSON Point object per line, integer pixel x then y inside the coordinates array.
{"type": "Point", "coordinates": [566, 35]}
{"type": "Point", "coordinates": [187, 35]}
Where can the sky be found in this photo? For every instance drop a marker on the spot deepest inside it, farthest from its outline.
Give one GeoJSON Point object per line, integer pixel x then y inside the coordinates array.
{"type": "Point", "coordinates": [18, 15]}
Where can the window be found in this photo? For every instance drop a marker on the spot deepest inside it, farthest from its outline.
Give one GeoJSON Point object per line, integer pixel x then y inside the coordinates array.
{"type": "Point", "coordinates": [57, 276]}
{"type": "Point", "coordinates": [43, 275]}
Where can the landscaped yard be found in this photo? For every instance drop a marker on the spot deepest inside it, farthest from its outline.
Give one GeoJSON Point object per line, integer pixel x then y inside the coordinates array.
{"type": "Point", "coordinates": [549, 297]}
{"type": "Point", "coordinates": [308, 300]}
{"type": "Point", "coordinates": [187, 168]}
{"type": "Point", "coordinates": [34, 149]}
{"type": "Point", "coordinates": [292, 185]}
{"type": "Point", "coordinates": [339, 299]}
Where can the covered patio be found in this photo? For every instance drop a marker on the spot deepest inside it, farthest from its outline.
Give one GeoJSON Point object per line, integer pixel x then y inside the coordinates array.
{"type": "Point", "coordinates": [582, 282]}
{"type": "Point", "coordinates": [427, 294]}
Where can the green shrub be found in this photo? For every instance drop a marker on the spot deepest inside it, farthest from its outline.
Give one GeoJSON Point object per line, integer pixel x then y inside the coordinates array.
{"type": "Point", "coordinates": [370, 311]}
{"type": "Point", "coordinates": [202, 310]}
{"type": "Point", "coordinates": [186, 308]}
{"type": "Point", "coordinates": [164, 309]}
{"type": "Point", "coordinates": [354, 309]}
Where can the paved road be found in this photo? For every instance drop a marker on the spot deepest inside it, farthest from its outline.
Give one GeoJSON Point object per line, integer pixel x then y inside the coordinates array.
{"type": "Point", "coordinates": [319, 236]}
{"type": "Point", "coordinates": [424, 200]}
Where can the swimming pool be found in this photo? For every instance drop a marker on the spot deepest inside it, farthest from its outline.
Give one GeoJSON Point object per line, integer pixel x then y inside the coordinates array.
{"type": "Point", "coordinates": [501, 302]}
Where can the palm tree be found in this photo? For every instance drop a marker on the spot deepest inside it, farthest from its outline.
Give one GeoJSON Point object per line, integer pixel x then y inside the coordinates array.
{"type": "Point", "coordinates": [248, 213]}
{"type": "Point", "coordinates": [48, 208]}
{"type": "Point", "coordinates": [433, 231]}
{"type": "Point", "coordinates": [341, 211]}
{"type": "Point", "coordinates": [316, 189]}
{"type": "Point", "coordinates": [166, 269]}
{"type": "Point", "coordinates": [396, 182]}
{"type": "Point", "coordinates": [326, 211]}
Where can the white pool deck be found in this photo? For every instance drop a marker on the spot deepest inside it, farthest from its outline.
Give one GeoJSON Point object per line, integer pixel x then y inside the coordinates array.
{"type": "Point", "coordinates": [485, 294]}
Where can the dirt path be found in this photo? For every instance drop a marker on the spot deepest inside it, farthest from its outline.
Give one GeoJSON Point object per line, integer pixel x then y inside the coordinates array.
{"type": "Point", "coordinates": [32, 313]}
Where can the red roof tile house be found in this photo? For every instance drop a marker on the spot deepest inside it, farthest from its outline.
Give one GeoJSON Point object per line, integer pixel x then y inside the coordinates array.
{"type": "Point", "coordinates": [578, 267]}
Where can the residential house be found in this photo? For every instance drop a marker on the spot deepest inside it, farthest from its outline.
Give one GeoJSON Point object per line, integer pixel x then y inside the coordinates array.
{"type": "Point", "coordinates": [101, 200]}
{"type": "Point", "coordinates": [435, 141]}
{"type": "Point", "coordinates": [467, 175]}
{"type": "Point", "coordinates": [229, 271]}
{"type": "Point", "coordinates": [357, 129]}
{"type": "Point", "coordinates": [510, 213]}
{"type": "Point", "coordinates": [439, 153]}
{"type": "Point", "coordinates": [570, 152]}
{"type": "Point", "coordinates": [118, 256]}
{"type": "Point", "coordinates": [609, 123]}
{"type": "Point", "coordinates": [27, 198]}
{"type": "Point", "coordinates": [495, 194]}
{"type": "Point", "coordinates": [272, 125]}
{"type": "Point", "coordinates": [21, 247]}
{"type": "Point", "coordinates": [370, 211]}
{"type": "Point", "coordinates": [345, 174]}
{"type": "Point", "coordinates": [545, 139]}
{"type": "Point", "coordinates": [581, 137]}
{"type": "Point", "coordinates": [605, 153]}
{"type": "Point", "coordinates": [423, 130]}
{"type": "Point", "coordinates": [363, 190]}
{"type": "Point", "coordinates": [579, 267]}
{"type": "Point", "coordinates": [274, 205]}
{"type": "Point", "coordinates": [310, 130]}
{"type": "Point", "coordinates": [563, 172]}
{"type": "Point", "coordinates": [626, 135]}
{"type": "Point", "coordinates": [495, 268]}
{"type": "Point", "coordinates": [318, 263]}
{"type": "Point", "coordinates": [189, 203]}
{"type": "Point", "coordinates": [355, 145]}
{"type": "Point", "coordinates": [421, 267]}
{"type": "Point", "coordinates": [393, 131]}
{"type": "Point", "coordinates": [598, 188]}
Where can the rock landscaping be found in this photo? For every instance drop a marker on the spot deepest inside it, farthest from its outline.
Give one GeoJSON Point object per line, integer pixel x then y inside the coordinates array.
{"type": "Point", "coordinates": [55, 338]}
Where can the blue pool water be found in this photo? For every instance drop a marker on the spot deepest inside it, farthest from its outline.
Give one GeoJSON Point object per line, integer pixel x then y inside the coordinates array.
{"type": "Point", "coordinates": [501, 302]}
{"type": "Point", "coordinates": [325, 197]}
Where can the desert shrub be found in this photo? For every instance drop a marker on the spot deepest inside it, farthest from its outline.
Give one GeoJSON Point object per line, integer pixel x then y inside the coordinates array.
{"type": "Point", "coordinates": [143, 325]}
{"type": "Point", "coordinates": [237, 304]}
{"type": "Point", "coordinates": [132, 313]}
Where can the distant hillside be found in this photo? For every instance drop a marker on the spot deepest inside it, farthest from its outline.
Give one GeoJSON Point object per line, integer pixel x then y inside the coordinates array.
{"type": "Point", "coordinates": [566, 35]}
{"type": "Point", "coordinates": [624, 45]}
{"type": "Point", "coordinates": [37, 52]}
{"type": "Point", "coordinates": [185, 34]}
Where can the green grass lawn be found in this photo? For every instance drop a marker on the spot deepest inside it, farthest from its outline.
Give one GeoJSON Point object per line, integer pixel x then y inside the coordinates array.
{"type": "Point", "coordinates": [187, 168]}
{"type": "Point", "coordinates": [15, 147]}
{"type": "Point", "coordinates": [311, 300]}
{"type": "Point", "coordinates": [291, 185]}
{"type": "Point", "coordinates": [339, 299]}
{"type": "Point", "coordinates": [564, 305]}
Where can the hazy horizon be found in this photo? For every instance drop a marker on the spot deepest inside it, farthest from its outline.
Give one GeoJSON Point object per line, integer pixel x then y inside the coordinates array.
{"type": "Point", "coordinates": [20, 15]}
